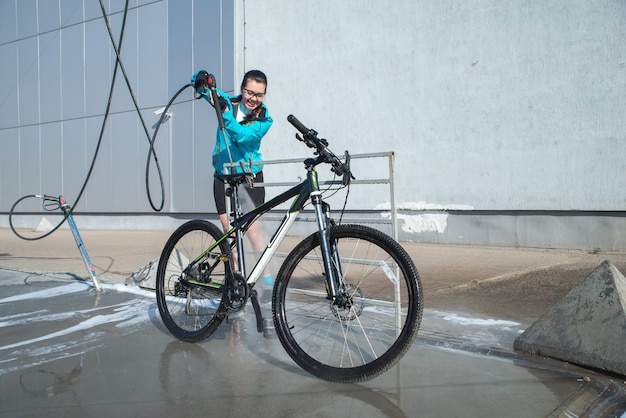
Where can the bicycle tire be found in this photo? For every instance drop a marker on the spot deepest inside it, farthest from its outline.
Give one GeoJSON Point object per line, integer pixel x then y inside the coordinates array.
{"type": "Point", "coordinates": [359, 343]}
{"type": "Point", "coordinates": [191, 299]}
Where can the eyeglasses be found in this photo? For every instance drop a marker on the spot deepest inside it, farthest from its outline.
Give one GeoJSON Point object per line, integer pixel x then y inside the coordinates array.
{"type": "Point", "coordinates": [253, 94]}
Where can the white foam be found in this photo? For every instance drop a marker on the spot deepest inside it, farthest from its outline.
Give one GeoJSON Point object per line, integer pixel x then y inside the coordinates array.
{"type": "Point", "coordinates": [48, 292]}
{"type": "Point", "coordinates": [134, 311]}
{"type": "Point", "coordinates": [479, 322]}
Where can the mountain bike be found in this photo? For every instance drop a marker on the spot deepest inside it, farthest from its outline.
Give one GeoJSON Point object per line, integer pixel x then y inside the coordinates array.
{"type": "Point", "coordinates": [347, 301]}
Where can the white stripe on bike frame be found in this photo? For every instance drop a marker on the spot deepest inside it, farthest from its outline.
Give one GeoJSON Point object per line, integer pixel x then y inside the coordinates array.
{"type": "Point", "coordinates": [272, 246]}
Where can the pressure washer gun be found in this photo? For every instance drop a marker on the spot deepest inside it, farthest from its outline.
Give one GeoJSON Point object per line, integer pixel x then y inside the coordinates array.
{"type": "Point", "coordinates": [203, 83]}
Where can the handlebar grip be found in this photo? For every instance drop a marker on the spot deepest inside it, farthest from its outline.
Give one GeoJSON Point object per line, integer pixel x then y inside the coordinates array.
{"type": "Point", "coordinates": [297, 124]}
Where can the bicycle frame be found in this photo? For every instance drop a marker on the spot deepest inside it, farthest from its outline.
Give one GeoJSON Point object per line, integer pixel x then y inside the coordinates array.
{"type": "Point", "coordinates": [332, 314]}
{"type": "Point", "coordinates": [301, 193]}
{"type": "Point", "coordinates": [308, 188]}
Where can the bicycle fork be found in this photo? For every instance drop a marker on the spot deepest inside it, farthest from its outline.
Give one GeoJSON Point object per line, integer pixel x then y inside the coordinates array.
{"type": "Point", "coordinates": [330, 254]}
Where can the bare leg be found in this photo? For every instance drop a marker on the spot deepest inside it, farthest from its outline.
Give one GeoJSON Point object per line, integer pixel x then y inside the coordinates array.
{"type": "Point", "coordinates": [224, 221]}
{"type": "Point", "coordinates": [255, 235]}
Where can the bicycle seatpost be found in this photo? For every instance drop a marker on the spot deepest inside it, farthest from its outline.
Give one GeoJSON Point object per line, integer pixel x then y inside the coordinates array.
{"type": "Point", "coordinates": [235, 210]}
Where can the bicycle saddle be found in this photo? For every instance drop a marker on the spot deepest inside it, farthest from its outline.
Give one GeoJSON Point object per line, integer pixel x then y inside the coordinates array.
{"type": "Point", "coordinates": [236, 178]}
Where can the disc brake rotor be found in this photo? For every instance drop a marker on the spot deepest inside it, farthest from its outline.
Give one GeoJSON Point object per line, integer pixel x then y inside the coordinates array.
{"type": "Point", "coordinates": [351, 309]}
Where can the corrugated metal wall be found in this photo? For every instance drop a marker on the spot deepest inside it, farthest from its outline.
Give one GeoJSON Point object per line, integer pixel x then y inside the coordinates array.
{"type": "Point", "coordinates": [56, 67]}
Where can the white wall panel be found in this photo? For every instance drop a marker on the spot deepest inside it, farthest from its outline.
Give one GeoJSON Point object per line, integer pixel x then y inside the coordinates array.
{"type": "Point", "coordinates": [493, 105]}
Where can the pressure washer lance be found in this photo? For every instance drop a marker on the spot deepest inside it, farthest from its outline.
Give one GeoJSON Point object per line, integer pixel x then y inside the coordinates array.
{"type": "Point", "coordinates": [203, 82]}
{"type": "Point", "coordinates": [67, 211]}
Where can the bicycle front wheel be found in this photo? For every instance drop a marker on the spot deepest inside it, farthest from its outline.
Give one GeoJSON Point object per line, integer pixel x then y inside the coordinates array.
{"type": "Point", "coordinates": [191, 279]}
{"type": "Point", "coordinates": [358, 340]}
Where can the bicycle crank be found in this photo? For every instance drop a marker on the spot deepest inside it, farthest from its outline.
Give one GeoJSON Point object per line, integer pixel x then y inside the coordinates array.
{"type": "Point", "coordinates": [237, 293]}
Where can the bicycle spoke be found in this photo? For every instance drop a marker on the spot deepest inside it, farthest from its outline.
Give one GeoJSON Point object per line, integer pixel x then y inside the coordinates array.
{"type": "Point", "coordinates": [189, 294]}
{"type": "Point", "coordinates": [378, 322]}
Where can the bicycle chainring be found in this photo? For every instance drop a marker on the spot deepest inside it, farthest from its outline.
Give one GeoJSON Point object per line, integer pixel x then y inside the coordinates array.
{"type": "Point", "coordinates": [238, 293]}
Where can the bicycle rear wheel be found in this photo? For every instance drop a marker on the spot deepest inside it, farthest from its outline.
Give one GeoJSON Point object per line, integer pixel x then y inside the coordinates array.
{"type": "Point", "coordinates": [368, 335]}
{"type": "Point", "coordinates": [191, 279]}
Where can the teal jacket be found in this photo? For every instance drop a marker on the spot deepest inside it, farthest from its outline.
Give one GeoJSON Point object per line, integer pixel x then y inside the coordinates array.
{"type": "Point", "coordinates": [243, 139]}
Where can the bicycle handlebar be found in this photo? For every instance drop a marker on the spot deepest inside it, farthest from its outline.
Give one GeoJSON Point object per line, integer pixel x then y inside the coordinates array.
{"type": "Point", "coordinates": [325, 155]}
{"type": "Point", "coordinates": [298, 125]}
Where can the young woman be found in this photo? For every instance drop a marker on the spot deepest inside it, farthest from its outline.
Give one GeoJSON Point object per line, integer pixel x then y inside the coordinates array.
{"type": "Point", "coordinates": [246, 121]}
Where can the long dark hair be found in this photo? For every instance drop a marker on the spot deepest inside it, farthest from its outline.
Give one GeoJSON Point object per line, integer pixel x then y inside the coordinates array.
{"type": "Point", "coordinates": [259, 77]}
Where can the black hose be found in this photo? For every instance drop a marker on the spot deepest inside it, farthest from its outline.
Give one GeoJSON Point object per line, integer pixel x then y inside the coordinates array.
{"type": "Point", "coordinates": [152, 151]}
{"type": "Point", "coordinates": [93, 161]}
{"type": "Point", "coordinates": [17, 233]}
{"type": "Point", "coordinates": [151, 140]}
{"type": "Point", "coordinates": [132, 95]}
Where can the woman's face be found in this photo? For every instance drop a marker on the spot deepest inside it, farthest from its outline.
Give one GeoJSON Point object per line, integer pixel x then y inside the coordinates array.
{"type": "Point", "coordinates": [253, 94]}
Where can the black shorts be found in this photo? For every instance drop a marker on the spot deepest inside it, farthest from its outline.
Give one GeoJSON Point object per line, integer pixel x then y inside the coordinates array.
{"type": "Point", "coordinates": [248, 197]}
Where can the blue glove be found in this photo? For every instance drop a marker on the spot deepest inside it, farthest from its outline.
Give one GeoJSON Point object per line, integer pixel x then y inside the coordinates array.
{"type": "Point", "coordinates": [193, 77]}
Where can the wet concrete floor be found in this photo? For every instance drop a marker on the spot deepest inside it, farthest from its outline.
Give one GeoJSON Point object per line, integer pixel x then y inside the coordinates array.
{"type": "Point", "coordinates": [67, 351]}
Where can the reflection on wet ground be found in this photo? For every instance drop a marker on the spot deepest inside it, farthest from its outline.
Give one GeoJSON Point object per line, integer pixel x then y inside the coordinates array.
{"type": "Point", "coordinates": [69, 352]}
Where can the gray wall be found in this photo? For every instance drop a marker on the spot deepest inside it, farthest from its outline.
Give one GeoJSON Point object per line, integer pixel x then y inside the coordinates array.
{"type": "Point", "coordinates": [492, 107]}
{"type": "Point", "coordinates": [56, 69]}
{"type": "Point", "coordinates": [506, 117]}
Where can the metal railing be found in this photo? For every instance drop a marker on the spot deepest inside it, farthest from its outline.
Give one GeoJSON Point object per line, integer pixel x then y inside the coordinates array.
{"type": "Point", "coordinates": [387, 178]}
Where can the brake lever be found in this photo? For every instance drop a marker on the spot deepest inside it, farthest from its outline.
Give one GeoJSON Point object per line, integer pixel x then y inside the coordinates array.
{"type": "Point", "coordinates": [345, 171]}
{"type": "Point", "coordinates": [309, 143]}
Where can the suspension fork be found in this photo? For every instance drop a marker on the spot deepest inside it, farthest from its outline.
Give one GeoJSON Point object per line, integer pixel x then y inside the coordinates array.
{"type": "Point", "coordinates": [330, 254]}
{"type": "Point", "coordinates": [332, 246]}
